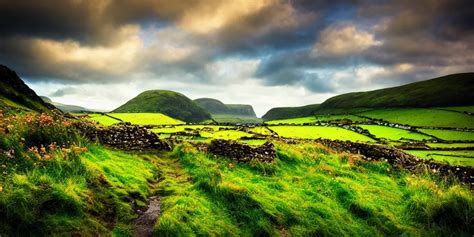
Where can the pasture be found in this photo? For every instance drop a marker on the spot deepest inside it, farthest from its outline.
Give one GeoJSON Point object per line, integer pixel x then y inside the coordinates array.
{"type": "Point", "coordinates": [450, 135]}
{"type": "Point", "coordinates": [423, 117]}
{"type": "Point", "coordinates": [314, 132]}
{"type": "Point", "coordinates": [394, 134]}
{"type": "Point", "coordinates": [461, 158]}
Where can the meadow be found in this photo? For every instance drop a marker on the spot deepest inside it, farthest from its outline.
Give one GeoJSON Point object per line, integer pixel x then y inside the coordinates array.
{"type": "Point", "coordinates": [449, 134]}
{"type": "Point", "coordinates": [59, 182]}
{"type": "Point", "coordinates": [423, 117]}
{"type": "Point", "coordinates": [136, 118]}
{"type": "Point", "coordinates": [314, 132]}
{"type": "Point", "coordinates": [308, 190]}
{"type": "Point", "coordinates": [317, 118]}
{"type": "Point", "coordinates": [458, 157]}
{"type": "Point", "coordinates": [394, 134]}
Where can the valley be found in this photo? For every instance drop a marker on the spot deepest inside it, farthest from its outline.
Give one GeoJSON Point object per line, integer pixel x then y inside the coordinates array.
{"type": "Point", "coordinates": [162, 165]}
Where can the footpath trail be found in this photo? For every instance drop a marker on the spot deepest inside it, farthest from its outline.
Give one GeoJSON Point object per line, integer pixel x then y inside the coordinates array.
{"type": "Point", "coordinates": [171, 174]}
{"type": "Point", "coordinates": [144, 224]}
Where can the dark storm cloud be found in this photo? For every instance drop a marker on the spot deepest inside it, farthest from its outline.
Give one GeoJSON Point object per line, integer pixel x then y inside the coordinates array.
{"type": "Point", "coordinates": [97, 41]}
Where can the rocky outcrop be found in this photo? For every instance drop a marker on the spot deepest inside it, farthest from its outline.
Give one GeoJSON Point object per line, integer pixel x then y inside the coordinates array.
{"type": "Point", "coordinates": [241, 152]}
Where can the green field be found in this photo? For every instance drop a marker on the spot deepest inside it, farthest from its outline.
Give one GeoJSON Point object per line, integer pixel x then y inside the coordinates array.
{"type": "Point", "coordinates": [136, 118]}
{"type": "Point", "coordinates": [462, 158]}
{"type": "Point", "coordinates": [261, 130]}
{"type": "Point", "coordinates": [320, 118]}
{"type": "Point", "coordinates": [104, 120]}
{"type": "Point", "coordinates": [423, 117]}
{"type": "Point", "coordinates": [469, 109]}
{"type": "Point", "coordinates": [226, 134]}
{"type": "Point", "coordinates": [450, 145]}
{"type": "Point", "coordinates": [229, 118]}
{"type": "Point", "coordinates": [394, 134]}
{"type": "Point", "coordinates": [314, 132]}
{"type": "Point", "coordinates": [450, 134]}
{"type": "Point", "coordinates": [182, 128]}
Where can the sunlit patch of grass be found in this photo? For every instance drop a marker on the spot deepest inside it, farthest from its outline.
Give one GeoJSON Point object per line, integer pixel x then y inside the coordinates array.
{"type": "Point", "coordinates": [422, 117]}
{"type": "Point", "coordinates": [308, 190]}
{"type": "Point", "coordinates": [314, 132]}
{"type": "Point", "coordinates": [394, 133]}
{"type": "Point", "coordinates": [457, 157]}
{"type": "Point", "coordinates": [450, 134]}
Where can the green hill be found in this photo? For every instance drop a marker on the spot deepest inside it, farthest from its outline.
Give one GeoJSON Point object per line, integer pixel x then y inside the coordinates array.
{"type": "Point", "coordinates": [451, 90]}
{"type": "Point", "coordinates": [14, 93]}
{"type": "Point", "coordinates": [169, 103]}
{"type": "Point", "coordinates": [217, 107]}
{"type": "Point", "coordinates": [290, 112]}
{"type": "Point", "coordinates": [64, 107]}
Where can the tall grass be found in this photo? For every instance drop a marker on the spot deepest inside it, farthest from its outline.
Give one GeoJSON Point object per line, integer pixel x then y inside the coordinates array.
{"type": "Point", "coordinates": [308, 190]}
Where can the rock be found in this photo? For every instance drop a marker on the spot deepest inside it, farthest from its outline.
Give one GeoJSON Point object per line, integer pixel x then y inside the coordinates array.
{"type": "Point", "coordinates": [242, 152]}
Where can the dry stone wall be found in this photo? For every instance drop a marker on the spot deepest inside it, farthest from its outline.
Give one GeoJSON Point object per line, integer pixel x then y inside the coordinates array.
{"type": "Point", "coordinates": [242, 152]}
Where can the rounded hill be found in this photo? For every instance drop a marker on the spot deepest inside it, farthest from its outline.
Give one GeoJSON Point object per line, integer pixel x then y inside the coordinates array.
{"type": "Point", "coordinates": [171, 103]}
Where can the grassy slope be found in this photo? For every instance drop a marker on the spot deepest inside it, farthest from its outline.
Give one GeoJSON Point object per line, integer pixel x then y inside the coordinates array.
{"type": "Point", "coordinates": [394, 133]}
{"type": "Point", "coordinates": [449, 134]}
{"type": "Point", "coordinates": [458, 157]}
{"type": "Point", "coordinates": [14, 93]}
{"type": "Point", "coordinates": [423, 117]}
{"type": "Point", "coordinates": [321, 118]}
{"type": "Point", "coordinates": [314, 132]}
{"type": "Point", "coordinates": [169, 103]}
{"type": "Point", "coordinates": [451, 90]}
{"type": "Point", "coordinates": [307, 191]}
{"type": "Point", "coordinates": [290, 112]}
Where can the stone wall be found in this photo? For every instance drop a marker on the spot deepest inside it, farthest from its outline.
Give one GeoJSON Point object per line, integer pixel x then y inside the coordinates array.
{"type": "Point", "coordinates": [124, 136]}
{"type": "Point", "coordinates": [398, 158]}
{"type": "Point", "coordinates": [242, 152]}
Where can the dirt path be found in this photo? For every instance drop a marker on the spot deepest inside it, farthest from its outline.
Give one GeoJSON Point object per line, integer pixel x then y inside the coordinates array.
{"type": "Point", "coordinates": [144, 224]}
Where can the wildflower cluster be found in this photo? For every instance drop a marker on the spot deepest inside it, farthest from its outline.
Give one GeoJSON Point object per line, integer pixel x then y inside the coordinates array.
{"type": "Point", "coordinates": [30, 140]}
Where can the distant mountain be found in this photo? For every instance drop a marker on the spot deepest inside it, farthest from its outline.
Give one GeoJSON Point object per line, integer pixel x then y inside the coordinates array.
{"type": "Point", "coordinates": [14, 93]}
{"type": "Point", "coordinates": [170, 103]}
{"type": "Point", "coordinates": [217, 107]}
{"type": "Point", "coordinates": [290, 112]}
{"type": "Point", "coordinates": [64, 107]}
{"type": "Point", "coordinates": [451, 90]}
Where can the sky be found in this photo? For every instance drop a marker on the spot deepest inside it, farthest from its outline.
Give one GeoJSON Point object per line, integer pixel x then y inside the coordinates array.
{"type": "Point", "coordinates": [267, 53]}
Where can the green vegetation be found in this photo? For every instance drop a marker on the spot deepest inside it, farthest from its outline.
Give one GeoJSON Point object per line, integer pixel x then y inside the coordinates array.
{"type": "Point", "coordinates": [226, 134]}
{"type": "Point", "coordinates": [290, 112]}
{"type": "Point", "coordinates": [394, 133]}
{"type": "Point", "coordinates": [14, 93]}
{"type": "Point", "coordinates": [450, 134]}
{"type": "Point", "coordinates": [451, 90]}
{"type": "Point", "coordinates": [316, 118]}
{"type": "Point", "coordinates": [182, 128]}
{"type": "Point", "coordinates": [450, 145]}
{"type": "Point", "coordinates": [104, 120]}
{"type": "Point", "coordinates": [462, 158]}
{"type": "Point", "coordinates": [216, 107]}
{"type": "Point", "coordinates": [169, 103]}
{"type": "Point", "coordinates": [230, 118]}
{"type": "Point", "coordinates": [463, 109]}
{"type": "Point", "coordinates": [261, 130]}
{"type": "Point", "coordinates": [54, 182]}
{"type": "Point", "coordinates": [313, 132]}
{"type": "Point", "coordinates": [146, 118]}
{"type": "Point", "coordinates": [306, 191]}
{"type": "Point", "coordinates": [423, 117]}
